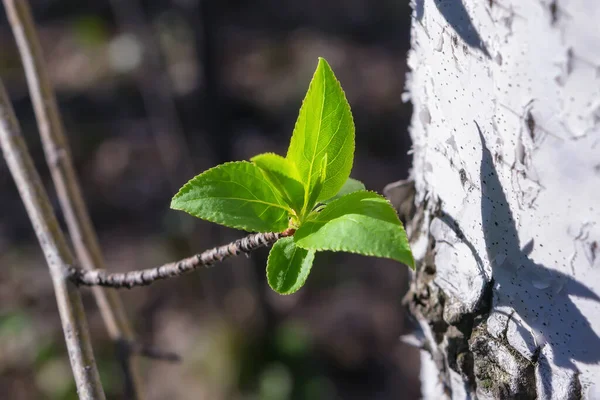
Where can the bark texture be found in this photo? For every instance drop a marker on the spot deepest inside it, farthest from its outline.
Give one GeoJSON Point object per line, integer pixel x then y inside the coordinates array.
{"type": "Point", "coordinates": [506, 132]}
{"type": "Point", "coordinates": [59, 160]}
{"type": "Point", "coordinates": [56, 251]}
{"type": "Point", "coordinates": [145, 277]}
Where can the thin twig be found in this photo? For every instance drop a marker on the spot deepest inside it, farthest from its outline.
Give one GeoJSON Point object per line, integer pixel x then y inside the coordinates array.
{"type": "Point", "coordinates": [57, 253]}
{"type": "Point", "coordinates": [153, 353]}
{"type": "Point", "coordinates": [147, 276]}
{"type": "Point", "coordinates": [126, 349]}
{"type": "Point", "coordinates": [59, 160]}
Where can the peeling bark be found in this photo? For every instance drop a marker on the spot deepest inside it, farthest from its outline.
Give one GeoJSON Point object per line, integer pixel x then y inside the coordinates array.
{"type": "Point", "coordinates": [506, 223]}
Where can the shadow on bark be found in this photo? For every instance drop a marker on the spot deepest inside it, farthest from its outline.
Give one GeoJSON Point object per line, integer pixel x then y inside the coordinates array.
{"type": "Point", "coordinates": [540, 296]}
{"type": "Point", "coordinates": [455, 13]}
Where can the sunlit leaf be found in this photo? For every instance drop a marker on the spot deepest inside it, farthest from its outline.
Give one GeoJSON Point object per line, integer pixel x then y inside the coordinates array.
{"type": "Point", "coordinates": [360, 222]}
{"type": "Point", "coordinates": [288, 266]}
{"type": "Point", "coordinates": [309, 190]}
{"type": "Point", "coordinates": [351, 185]}
{"type": "Point", "coordinates": [324, 126]}
{"type": "Point", "coordinates": [284, 177]}
{"type": "Point", "coordinates": [237, 195]}
{"type": "Point", "coordinates": [318, 188]}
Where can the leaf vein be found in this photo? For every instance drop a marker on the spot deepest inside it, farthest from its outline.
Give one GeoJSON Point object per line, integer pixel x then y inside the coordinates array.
{"type": "Point", "coordinates": [245, 200]}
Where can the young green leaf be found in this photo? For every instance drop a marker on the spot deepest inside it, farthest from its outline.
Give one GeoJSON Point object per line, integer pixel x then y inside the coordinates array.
{"type": "Point", "coordinates": [273, 193]}
{"type": "Point", "coordinates": [276, 163]}
{"type": "Point", "coordinates": [235, 194]}
{"type": "Point", "coordinates": [324, 126]}
{"type": "Point", "coordinates": [351, 185]}
{"type": "Point", "coordinates": [317, 189]}
{"type": "Point", "coordinates": [360, 222]}
{"type": "Point", "coordinates": [288, 266]}
{"type": "Point", "coordinates": [284, 177]}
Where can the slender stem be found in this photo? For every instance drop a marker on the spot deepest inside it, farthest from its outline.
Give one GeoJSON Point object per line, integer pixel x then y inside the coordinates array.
{"type": "Point", "coordinates": [59, 160]}
{"type": "Point", "coordinates": [57, 253]}
{"type": "Point", "coordinates": [152, 352]}
{"type": "Point", "coordinates": [147, 276]}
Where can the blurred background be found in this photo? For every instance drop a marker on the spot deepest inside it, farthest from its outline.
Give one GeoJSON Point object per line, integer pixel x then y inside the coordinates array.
{"type": "Point", "coordinates": [151, 94]}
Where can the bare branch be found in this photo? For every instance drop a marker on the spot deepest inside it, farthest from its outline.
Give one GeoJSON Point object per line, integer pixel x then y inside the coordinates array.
{"type": "Point", "coordinates": [151, 352]}
{"type": "Point", "coordinates": [170, 270]}
{"type": "Point", "coordinates": [57, 253]}
{"type": "Point", "coordinates": [59, 160]}
{"type": "Point", "coordinates": [125, 350]}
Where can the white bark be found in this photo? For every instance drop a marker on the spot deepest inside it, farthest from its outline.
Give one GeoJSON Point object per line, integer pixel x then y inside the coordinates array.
{"type": "Point", "coordinates": [506, 133]}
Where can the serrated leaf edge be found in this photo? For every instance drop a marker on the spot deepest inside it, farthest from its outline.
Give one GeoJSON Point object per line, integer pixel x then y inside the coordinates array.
{"type": "Point", "coordinates": [411, 264]}
{"type": "Point", "coordinates": [332, 198]}
{"type": "Point", "coordinates": [314, 215]}
{"type": "Point", "coordinates": [369, 254]}
{"type": "Point", "coordinates": [295, 176]}
{"type": "Point", "coordinates": [311, 253]}
{"type": "Point", "coordinates": [306, 96]}
{"type": "Point", "coordinates": [186, 187]}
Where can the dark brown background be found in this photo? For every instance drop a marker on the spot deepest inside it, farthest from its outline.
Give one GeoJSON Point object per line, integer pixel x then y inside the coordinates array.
{"type": "Point", "coordinates": [237, 71]}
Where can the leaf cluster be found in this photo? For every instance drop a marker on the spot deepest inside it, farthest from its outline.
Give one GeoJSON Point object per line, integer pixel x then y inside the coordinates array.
{"type": "Point", "coordinates": [308, 190]}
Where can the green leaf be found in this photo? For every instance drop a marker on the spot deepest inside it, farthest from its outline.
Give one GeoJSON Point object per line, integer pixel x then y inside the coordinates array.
{"type": "Point", "coordinates": [351, 185]}
{"type": "Point", "coordinates": [288, 266]}
{"type": "Point", "coordinates": [360, 222]}
{"type": "Point", "coordinates": [324, 126]}
{"type": "Point", "coordinates": [284, 177]}
{"type": "Point", "coordinates": [276, 163]}
{"type": "Point", "coordinates": [317, 189]}
{"type": "Point", "coordinates": [235, 194]}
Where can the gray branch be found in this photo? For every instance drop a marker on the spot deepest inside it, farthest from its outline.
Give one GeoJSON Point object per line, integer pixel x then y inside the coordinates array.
{"type": "Point", "coordinates": [57, 253]}
{"type": "Point", "coordinates": [58, 156]}
{"type": "Point", "coordinates": [147, 276]}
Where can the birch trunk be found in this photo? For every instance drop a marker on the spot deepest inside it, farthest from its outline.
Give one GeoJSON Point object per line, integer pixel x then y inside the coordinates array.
{"type": "Point", "coordinates": [506, 133]}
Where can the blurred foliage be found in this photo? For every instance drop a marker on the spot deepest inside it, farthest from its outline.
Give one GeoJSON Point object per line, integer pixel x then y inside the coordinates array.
{"type": "Point", "coordinates": [90, 30]}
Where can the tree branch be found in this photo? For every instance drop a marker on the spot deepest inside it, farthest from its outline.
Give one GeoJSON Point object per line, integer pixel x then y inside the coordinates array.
{"type": "Point", "coordinates": [57, 253]}
{"type": "Point", "coordinates": [150, 352]}
{"type": "Point", "coordinates": [59, 161]}
{"type": "Point", "coordinates": [147, 276]}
